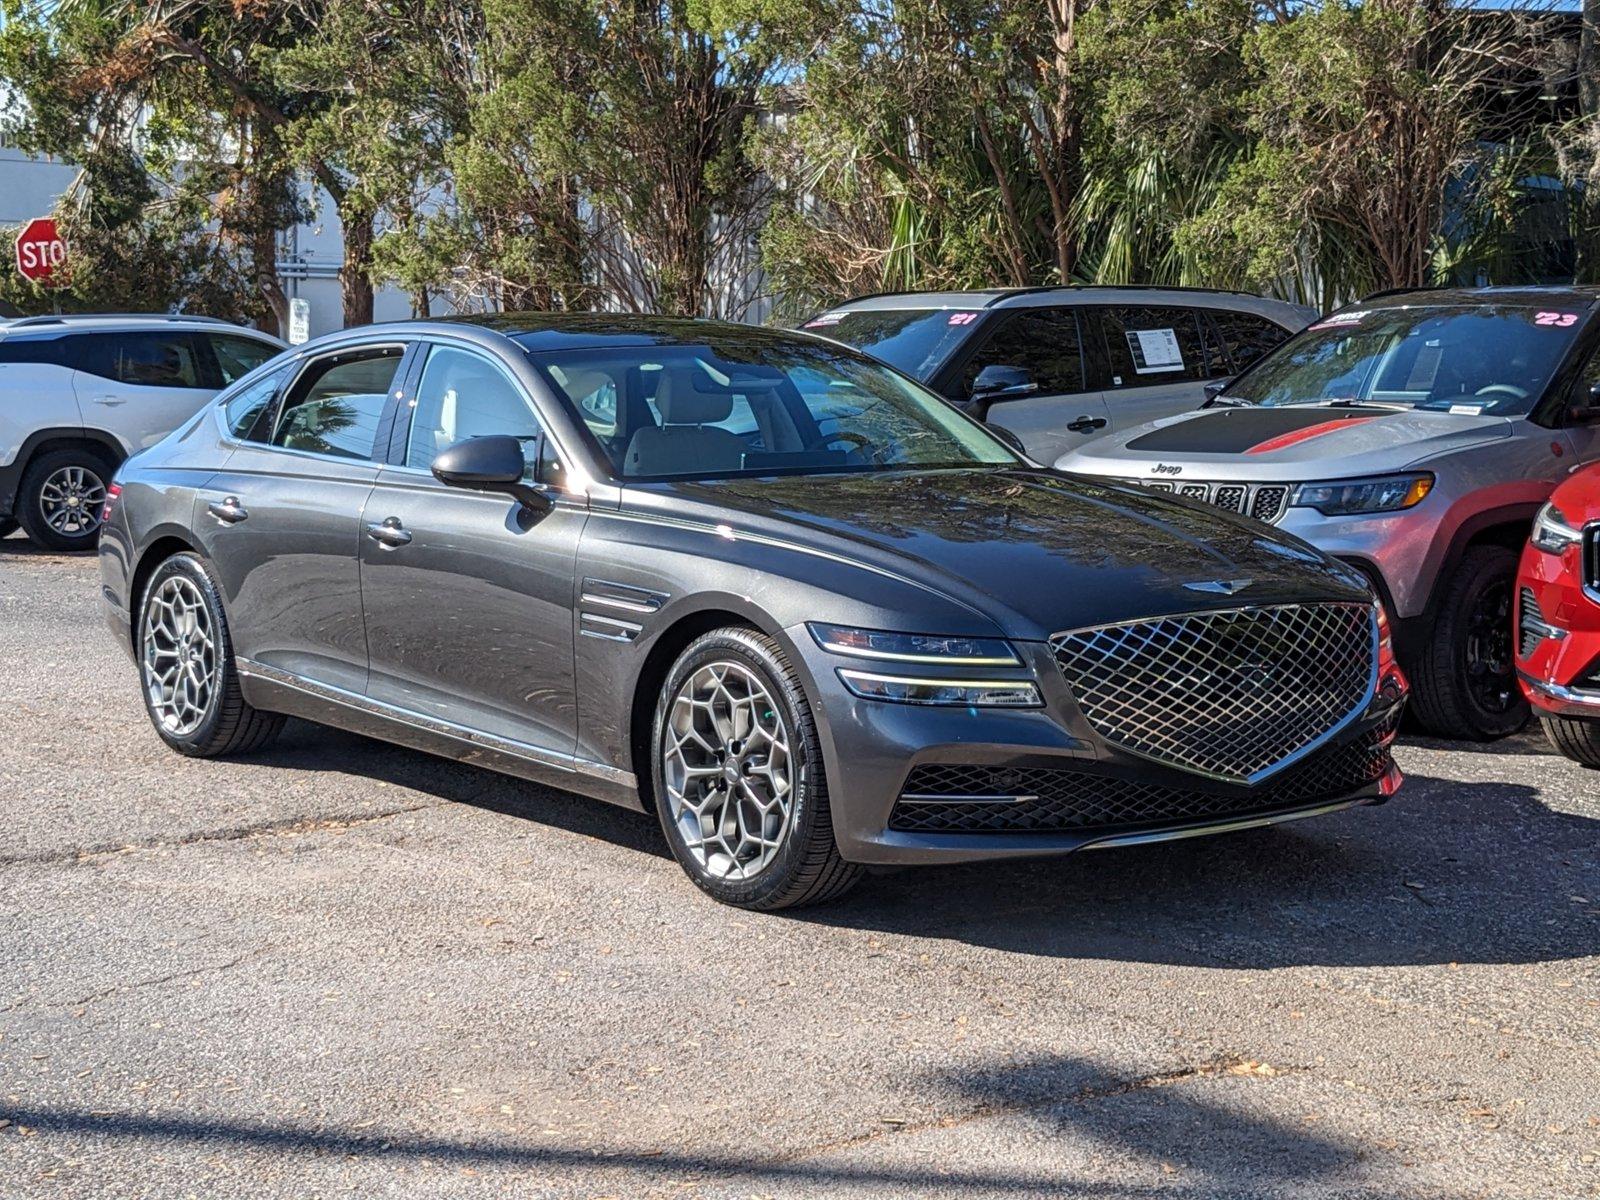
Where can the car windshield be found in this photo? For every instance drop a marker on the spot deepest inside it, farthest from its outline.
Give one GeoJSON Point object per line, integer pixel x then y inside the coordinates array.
{"type": "Point", "coordinates": [1492, 359]}
{"type": "Point", "coordinates": [916, 340]}
{"type": "Point", "coordinates": [759, 406]}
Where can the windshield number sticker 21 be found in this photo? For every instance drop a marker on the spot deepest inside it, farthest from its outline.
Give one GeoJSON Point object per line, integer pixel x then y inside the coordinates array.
{"type": "Point", "coordinates": [1559, 319]}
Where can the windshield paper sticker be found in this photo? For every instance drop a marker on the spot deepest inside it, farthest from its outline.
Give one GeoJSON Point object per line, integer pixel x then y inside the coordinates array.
{"type": "Point", "coordinates": [962, 318]}
{"type": "Point", "coordinates": [1154, 350]}
{"type": "Point", "coordinates": [1560, 320]}
{"type": "Point", "coordinates": [832, 318]}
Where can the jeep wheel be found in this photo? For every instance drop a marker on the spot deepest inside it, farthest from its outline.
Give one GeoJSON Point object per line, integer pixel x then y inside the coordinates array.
{"type": "Point", "coordinates": [1463, 674]}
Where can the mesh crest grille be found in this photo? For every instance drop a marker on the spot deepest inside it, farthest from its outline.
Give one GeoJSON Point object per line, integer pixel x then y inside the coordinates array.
{"type": "Point", "coordinates": [1229, 694]}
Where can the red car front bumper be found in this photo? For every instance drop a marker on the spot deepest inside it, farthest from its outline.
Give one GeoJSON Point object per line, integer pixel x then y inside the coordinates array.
{"type": "Point", "coordinates": [1558, 630]}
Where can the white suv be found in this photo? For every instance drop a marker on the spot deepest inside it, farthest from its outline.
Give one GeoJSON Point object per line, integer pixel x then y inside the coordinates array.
{"type": "Point", "coordinates": [78, 394]}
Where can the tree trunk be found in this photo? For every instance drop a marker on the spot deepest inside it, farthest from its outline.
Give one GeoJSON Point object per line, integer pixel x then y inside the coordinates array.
{"type": "Point", "coordinates": [355, 275]}
{"type": "Point", "coordinates": [1588, 168]}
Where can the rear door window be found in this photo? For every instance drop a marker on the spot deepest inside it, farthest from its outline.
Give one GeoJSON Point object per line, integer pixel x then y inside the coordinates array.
{"type": "Point", "coordinates": [157, 358]}
{"type": "Point", "coordinates": [1045, 342]}
{"type": "Point", "coordinates": [336, 405]}
{"type": "Point", "coordinates": [238, 356]}
{"type": "Point", "coordinates": [1152, 346]}
{"type": "Point", "coordinates": [1246, 337]}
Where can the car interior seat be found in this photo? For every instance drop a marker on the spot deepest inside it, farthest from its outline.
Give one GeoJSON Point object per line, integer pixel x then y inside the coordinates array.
{"type": "Point", "coordinates": [687, 438]}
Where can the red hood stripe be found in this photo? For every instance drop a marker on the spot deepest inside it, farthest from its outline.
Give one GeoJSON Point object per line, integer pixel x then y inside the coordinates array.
{"type": "Point", "coordinates": [1295, 437]}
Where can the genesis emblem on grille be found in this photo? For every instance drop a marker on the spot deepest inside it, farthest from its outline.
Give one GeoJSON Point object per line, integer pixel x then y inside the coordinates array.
{"type": "Point", "coordinates": [1234, 695]}
{"type": "Point", "coordinates": [1220, 587]}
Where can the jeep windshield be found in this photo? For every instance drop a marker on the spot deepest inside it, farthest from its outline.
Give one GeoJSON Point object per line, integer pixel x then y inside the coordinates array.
{"type": "Point", "coordinates": [916, 340]}
{"type": "Point", "coordinates": [1489, 359]}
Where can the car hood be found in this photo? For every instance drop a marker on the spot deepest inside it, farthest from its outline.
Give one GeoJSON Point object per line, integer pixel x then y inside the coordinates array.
{"type": "Point", "coordinates": [1034, 551]}
{"type": "Point", "coordinates": [1286, 444]}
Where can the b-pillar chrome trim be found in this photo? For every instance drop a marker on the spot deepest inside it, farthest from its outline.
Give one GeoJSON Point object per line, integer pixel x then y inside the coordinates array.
{"type": "Point", "coordinates": [434, 725]}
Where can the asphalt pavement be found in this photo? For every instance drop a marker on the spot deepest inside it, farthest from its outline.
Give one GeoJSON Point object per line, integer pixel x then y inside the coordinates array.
{"type": "Point", "coordinates": [342, 968]}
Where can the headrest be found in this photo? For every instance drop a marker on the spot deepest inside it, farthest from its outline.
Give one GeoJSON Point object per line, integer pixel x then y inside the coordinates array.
{"type": "Point", "coordinates": [681, 403]}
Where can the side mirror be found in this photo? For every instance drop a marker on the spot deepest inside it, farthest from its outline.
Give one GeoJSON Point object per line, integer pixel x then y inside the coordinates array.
{"type": "Point", "coordinates": [1216, 387]}
{"type": "Point", "coordinates": [997, 382]}
{"type": "Point", "coordinates": [494, 464]}
{"type": "Point", "coordinates": [1005, 435]}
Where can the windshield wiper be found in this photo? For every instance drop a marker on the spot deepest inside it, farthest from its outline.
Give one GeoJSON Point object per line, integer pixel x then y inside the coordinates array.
{"type": "Point", "coordinates": [1227, 402]}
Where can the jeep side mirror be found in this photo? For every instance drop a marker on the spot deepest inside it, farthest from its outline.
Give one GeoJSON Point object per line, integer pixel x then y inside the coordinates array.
{"type": "Point", "coordinates": [998, 382]}
{"type": "Point", "coordinates": [1216, 387]}
{"type": "Point", "coordinates": [495, 464]}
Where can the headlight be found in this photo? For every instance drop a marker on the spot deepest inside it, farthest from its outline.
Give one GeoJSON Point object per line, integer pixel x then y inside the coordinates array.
{"type": "Point", "coordinates": [961, 693]}
{"type": "Point", "coordinates": [1346, 497]}
{"type": "Point", "coordinates": [1552, 533]}
{"type": "Point", "coordinates": [915, 647]}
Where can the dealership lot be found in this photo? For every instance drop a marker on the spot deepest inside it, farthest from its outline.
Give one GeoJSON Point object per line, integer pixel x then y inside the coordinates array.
{"type": "Point", "coordinates": [340, 967]}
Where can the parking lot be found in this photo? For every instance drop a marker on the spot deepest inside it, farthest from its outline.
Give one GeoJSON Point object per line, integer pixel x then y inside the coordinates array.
{"type": "Point", "coordinates": [340, 967]}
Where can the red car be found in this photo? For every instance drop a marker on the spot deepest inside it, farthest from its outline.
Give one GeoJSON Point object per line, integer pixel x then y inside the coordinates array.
{"type": "Point", "coordinates": [1558, 617]}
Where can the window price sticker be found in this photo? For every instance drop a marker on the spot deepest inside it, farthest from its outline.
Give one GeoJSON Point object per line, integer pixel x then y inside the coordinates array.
{"type": "Point", "coordinates": [825, 319]}
{"type": "Point", "coordinates": [1154, 351]}
{"type": "Point", "coordinates": [962, 318]}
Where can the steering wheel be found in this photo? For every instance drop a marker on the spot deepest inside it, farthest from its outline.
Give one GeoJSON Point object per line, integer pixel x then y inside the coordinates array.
{"type": "Point", "coordinates": [853, 440]}
{"type": "Point", "coordinates": [1509, 390]}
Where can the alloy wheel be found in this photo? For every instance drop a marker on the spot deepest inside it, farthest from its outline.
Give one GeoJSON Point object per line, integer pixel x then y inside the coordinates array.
{"type": "Point", "coordinates": [179, 650]}
{"type": "Point", "coordinates": [1491, 676]}
{"type": "Point", "coordinates": [71, 499]}
{"type": "Point", "coordinates": [728, 770]}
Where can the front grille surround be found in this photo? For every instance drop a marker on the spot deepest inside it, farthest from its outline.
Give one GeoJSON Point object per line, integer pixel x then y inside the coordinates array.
{"type": "Point", "coordinates": [1083, 800]}
{"type": "Point", "coordinates": [1264, 501]}
{"type": "Point", "coordinates": [1234, 694]}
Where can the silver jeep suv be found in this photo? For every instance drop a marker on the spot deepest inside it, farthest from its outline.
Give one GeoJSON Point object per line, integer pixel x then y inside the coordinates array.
{"type": "Point", "coordinates": [1413, 435]}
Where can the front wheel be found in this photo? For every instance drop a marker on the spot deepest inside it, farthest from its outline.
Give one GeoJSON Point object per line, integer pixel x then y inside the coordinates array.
{"type": "Point", "coordinates": [1464, 675]}
{"type": "Point", "coordinates": [1577, 738]}
{"type": "Point", "coordinates": [191, 687]}
{"type": "Point", "coordinates": [739, 780]}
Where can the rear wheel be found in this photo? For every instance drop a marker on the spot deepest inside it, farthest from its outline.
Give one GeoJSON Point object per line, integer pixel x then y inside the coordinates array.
{"type": "Point", "coordinates": [739, 780]}
{"type": "Point", "coordinates": [190, 684]}
{"type": "Point", "coordinates": [1464, 675]}
{"type": "Point", "coordinates": [61, 497]}
{"type": "Point", "coordinates": [1577, 738]}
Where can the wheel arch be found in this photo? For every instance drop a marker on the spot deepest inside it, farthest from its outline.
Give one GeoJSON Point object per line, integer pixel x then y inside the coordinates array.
{"type": "Point", "coordinates": [44, 441]}
{"type": "Point", "coordinates": [1507, 526]}
{"type": "Point", "coordinates": [668, 645]}
{"type": "Point", "coordinates": [162, 547]}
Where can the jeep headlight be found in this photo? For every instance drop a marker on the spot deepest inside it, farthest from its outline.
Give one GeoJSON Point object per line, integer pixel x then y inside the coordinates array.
{"type": "Point", "coordinates": [1553, 533]}
{"type": "Point", "coordinates": [1378, 494]}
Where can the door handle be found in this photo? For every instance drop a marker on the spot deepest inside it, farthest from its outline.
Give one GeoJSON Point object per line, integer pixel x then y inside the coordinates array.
{"type": "Point", "coordinates": [110, 401]}
{"type": "Point", "coordinates": [1085, 423]}
{"type": "Point", "coordinates": [388, 532]}
{"type": "Point", "coordinates": [229, 511]}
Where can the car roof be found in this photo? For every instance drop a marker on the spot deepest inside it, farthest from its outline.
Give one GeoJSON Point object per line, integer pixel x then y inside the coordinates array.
{"type": "Point", "coordinates": [543, 331]}
{"type": "Point", "coordinates": [1569, 294]}
{"type": "Point", "coordinates": [1077, 293]}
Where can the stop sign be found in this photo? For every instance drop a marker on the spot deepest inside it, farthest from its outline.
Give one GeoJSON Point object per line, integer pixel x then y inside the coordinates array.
{"type": "Point", "coordinates": [41, 252]}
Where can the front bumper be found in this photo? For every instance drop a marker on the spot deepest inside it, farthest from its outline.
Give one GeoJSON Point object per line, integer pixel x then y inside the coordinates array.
{"type": "Point", "coordinates": [1558, 634]}
{"type": "Point", "coordinates": [1068, 789]}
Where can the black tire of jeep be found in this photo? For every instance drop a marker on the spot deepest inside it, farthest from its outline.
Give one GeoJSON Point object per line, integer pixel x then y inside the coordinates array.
{"type": "Point", "coordinates": [28, 507]}
{"type": "Point", "coordinates": [1441, 699]}
{"type": "Point", "coordinates": [230, 726]}
{"type": "Point", "coordinates": [1576, 737]}
{"type": "Point", "coordinates": [807, 868]}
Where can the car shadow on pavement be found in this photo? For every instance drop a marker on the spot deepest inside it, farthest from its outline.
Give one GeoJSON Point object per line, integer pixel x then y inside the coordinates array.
{"type": "Point", "coordinates": [1198, 1132]}
{"type": "Point", "coordinates": [304, 746]}
{"type": "Point", "coordinates": [1448, 872]}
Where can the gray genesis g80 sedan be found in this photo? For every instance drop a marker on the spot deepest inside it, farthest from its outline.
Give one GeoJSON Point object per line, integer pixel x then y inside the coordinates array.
{"type": "Point", "coordinates": [778, 592]}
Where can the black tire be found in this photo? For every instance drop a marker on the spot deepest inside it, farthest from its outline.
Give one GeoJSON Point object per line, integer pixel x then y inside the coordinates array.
{"type": "Point", "coordinates": [1576, 737]}
{"type": "Point", "coordinates": [8, 526]}
{"type": "Point", "coordinates": [229, 724]}
{"type": "Point", "coordinates": [1463, 672]}
{"type": "Point", "coordinates": [31, 499]}
{"type": "Point", "coordinates": [806, 867]}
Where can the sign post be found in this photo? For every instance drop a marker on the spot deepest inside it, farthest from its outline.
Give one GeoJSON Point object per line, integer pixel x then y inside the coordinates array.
{"type": "Point", "coordinates": [42, 253]}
